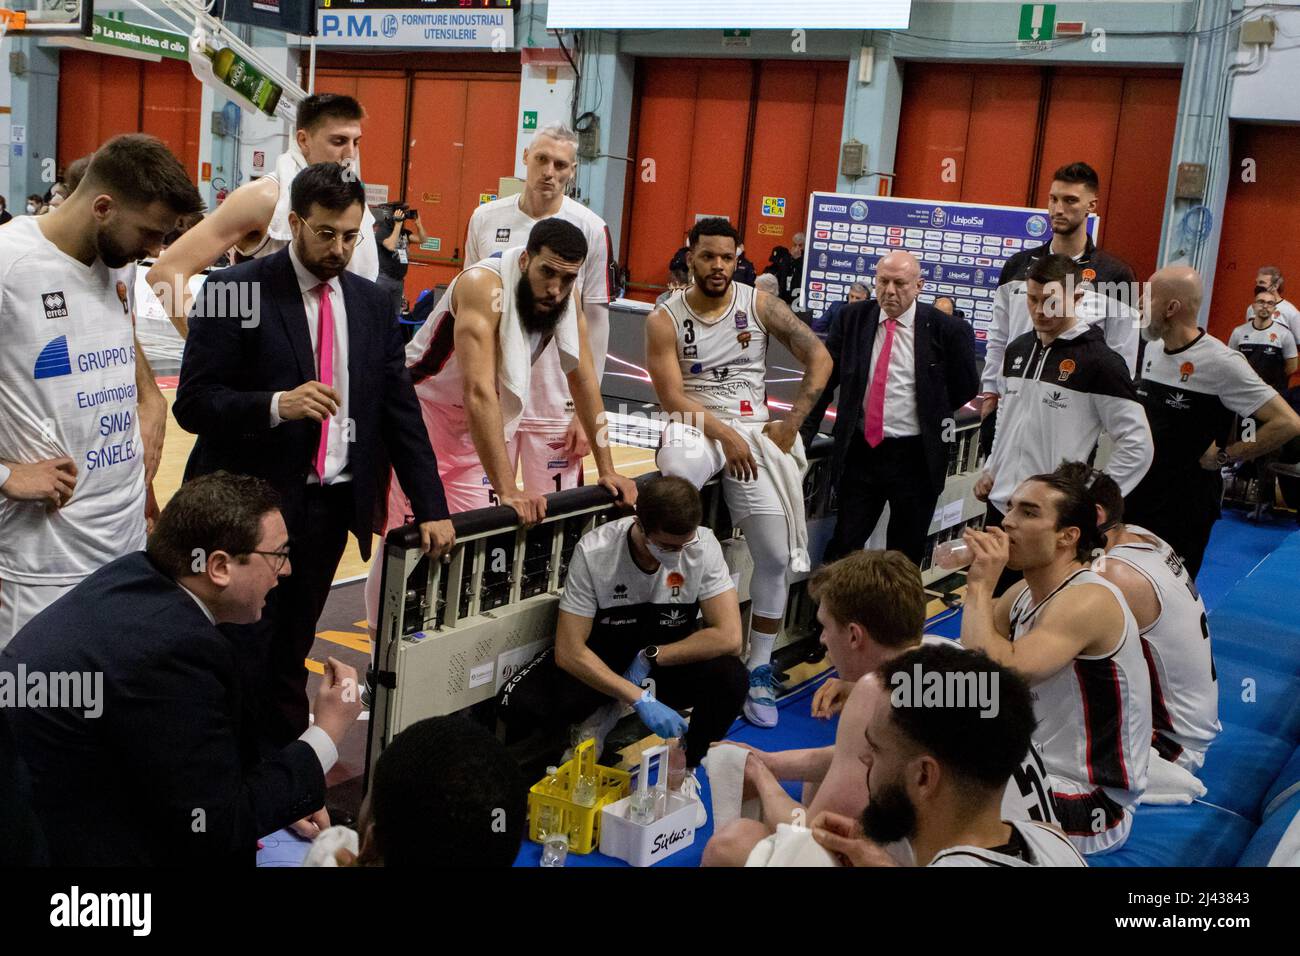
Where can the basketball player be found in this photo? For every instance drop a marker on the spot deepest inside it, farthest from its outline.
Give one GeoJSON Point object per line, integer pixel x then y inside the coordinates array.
{"type": "Point", "coordinates": [1171, 619]}
{"type": "Point", "coordinates": [550, 445]}
{"type": "Point", "coordinates": [253, 221]}
{"type": "Point", "coordinates": [871, 608]}
{"type": "Point", "coordinates": [706, 348]}
{"type": "Point", "coordinates": [936, 774]}
{"type": "Point", "coordinates": [81, 419]}
{"type": "Point", "coordinates": [471, 364]}
{"type": "Point", "coordinates": [1070, 633]}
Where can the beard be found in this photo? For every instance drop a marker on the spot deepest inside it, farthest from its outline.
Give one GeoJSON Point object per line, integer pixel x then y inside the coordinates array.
{"type": "Point", "coordinates": [889, 816]}
{"type": "Point", "coordinates": [113, 253]}
{"type": "Point", "coordinates": [1151, 332]}
{"type": "Point", "coordinates": [702, 283]}
{"type": "Point", "coordinates": [533, 320]}
{"type": "Point", "coordinates": [326, 267]}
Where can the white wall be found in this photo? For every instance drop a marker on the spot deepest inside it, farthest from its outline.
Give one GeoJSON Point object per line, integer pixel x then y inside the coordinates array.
{"type": "Point", "coordinates": [1269, 95]}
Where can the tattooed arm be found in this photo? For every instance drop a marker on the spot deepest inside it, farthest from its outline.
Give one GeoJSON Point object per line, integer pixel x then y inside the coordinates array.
{"type": "Point", "coordinates": [785, 327]}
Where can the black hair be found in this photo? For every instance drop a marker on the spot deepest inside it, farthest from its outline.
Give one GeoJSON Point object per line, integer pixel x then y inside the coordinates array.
{"type": "Point", "coordinates": [319, 107]}
{"type": "Point", "coordinates": [446, 794]}
{"type": "Point", "coordinates": [979, 744]}
{"type": "Point", "coordinates": [713, 226]}
{"type": "Point", "coordinates": [562, 237]}
{"type": "Point", "coordinates": [1077, 508]}
{"type": "Point", "coordinates": [140, 170]}
{"type": "Point", "coordinates": [1078, 173]}
{"type": "Point", "coordinates": [1103, 488]}
{"type": "Point", "coordinates": [669, 504]}
{"type": "Point", "coordinates": [331, 186]}
{"type": "Point", "coordinates": [1056, 268]}
{"type": "Point", "coordinates": [217, 512]}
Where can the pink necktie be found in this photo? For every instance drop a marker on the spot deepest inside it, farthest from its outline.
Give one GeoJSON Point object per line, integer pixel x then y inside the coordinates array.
{"type": "Point", "coordinates": [325, 344]}
{"type": "Point", "coordinates": [875, 406]}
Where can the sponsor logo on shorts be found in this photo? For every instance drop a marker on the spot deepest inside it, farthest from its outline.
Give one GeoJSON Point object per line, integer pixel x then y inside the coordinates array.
{"type": "Point", "coordinates": [746, 408]}
{"type": "Point", "coordinates": [56, 306]}
{"type": "Point", "coordinates": [720, 372]}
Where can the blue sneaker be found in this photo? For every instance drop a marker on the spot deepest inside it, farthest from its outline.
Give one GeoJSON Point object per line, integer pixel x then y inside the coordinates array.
{"type": "Point", "coordinates": [760, 707]}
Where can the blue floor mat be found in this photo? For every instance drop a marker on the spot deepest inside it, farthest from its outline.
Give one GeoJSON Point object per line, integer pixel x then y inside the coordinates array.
{"type": "Point", "coordinates": [1195, 835]}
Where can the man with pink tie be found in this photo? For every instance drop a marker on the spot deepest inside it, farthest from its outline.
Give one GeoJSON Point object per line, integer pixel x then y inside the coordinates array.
{"type": "Point", "coordinates": [278, 347]}
{"type": "Point", "coordinates": [903, 369]}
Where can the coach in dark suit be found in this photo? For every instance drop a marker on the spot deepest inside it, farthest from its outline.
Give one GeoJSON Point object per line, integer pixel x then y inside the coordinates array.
{"type": "Point", "coordinates": [903, 369]}
{"type": "Point", "coordinates": [140, 758]}
{"type": "Point", "coordinates": [277, 346]}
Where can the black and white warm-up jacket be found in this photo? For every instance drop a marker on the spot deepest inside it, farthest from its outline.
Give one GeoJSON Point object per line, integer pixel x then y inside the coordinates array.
{"type": "Point", "coordinates": [1059, 399]}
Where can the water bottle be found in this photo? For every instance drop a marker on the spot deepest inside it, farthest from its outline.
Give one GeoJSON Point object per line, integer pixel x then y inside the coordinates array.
{"type": "Point", "coordinates": [553, 786]}
{"type": "Point", "coordinates": [550, 824]}
{"type": "Point", "coordinates": [642, 809]}
{"type": "Point", "coordinates": [585, 790]}
{"type": "Point", "coordinates": [953, 555]}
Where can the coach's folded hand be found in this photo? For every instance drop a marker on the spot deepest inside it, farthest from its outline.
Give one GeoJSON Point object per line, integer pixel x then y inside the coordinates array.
{"type": "Point", "coordinates": [50, 481]}
{"type": "Point", "coordinates": [660, 718]}
{"type": "Point", "coordinates": [437, 537]}
{"type": "Point", "coordinates": [313, 400]}
{"type": "Point", "coordinates": [338, 702]}
{"type": "Point", "coordinates": [531, 508]}
{"type": "Point", "coordinates": [740, 460]}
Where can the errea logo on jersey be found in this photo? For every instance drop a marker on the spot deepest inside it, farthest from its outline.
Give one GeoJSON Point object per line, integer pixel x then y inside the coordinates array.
{"type": "Point", "coordinates": [56, 306]}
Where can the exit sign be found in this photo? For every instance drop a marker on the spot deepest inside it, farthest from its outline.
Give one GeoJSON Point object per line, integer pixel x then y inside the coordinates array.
{"type": "Point", "coordinates": [530, 119]}
{"type": "Point", "coordinates": [1037, 21]}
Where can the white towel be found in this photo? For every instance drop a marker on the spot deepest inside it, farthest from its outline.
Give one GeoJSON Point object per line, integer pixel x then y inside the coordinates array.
{"type": "Point", "coordinates": [1169, 784]}
{"type": "Point", "coordinates": [787, 475]}
{"type": "Point", "coordinates": [725, 764]}
{"type": "Point", "coordinates": [790, 846]}
{"type": "Point", "coordinates": [514, 355]}
{"type": "Point", "coordinates": [365, 255]}
{"type": "Point", "coordinates": [327, 842]}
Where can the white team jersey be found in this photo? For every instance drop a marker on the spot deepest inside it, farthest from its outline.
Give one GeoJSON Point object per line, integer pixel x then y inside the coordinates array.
{"type": "Point", "coordinates": [1094, 726]}
{"type": "Point", "coordinates": [1184, 687]}
{"type": "Point", "coordinates": [431, 353]}
{"type": "Point", "coordinates": [723, 362]}
{"type": "Point", "coordinates": [1032, 844]}
{"type": "Point", "coordinates": [501, 224]}
{"type": "Point", "coordinates": [67, 388]}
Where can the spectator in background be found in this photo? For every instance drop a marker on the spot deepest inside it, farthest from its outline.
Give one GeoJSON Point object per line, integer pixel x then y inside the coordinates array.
{"type": "Point", "coordinates": [34, 204]}
{"type": "Point", "coordinates": [1266, 341]}
{"type": "Point", "coordinates": [394, 239]}
{"type": "Point", "coordinates": [677, 279]}
{"type": "Point", "coordinates": [796, 253]}
{"type": "Point", "coordinates": [445, 794]}
{"type": "Point", "coordinates": [745, 271]}
{"type": "Point", "coordinates": [5, 214]}
{"type": "Point", "coordinates": [76, 172]}
{"type": "Point", "coordinates": [1269, 278]}
{"type": "Point", "coordinates": [858, 292]}
{"type": "Point", "coordinates": [781, 264]}
{"type": "Point", "coordinates": [768, 283]}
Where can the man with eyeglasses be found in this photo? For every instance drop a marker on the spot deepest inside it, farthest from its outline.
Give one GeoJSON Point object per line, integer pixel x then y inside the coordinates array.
{"type": "Point", "coordinates": [648, 618]}
{"type": "Point", "coordinates": [1270, 279]}
{"type": "Point", "coordinates": [294, 372]}
{"type": "Point", "coordinates": [138, 752]}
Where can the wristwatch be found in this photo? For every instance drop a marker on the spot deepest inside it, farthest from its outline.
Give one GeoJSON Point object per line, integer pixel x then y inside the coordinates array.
{"type": "Point", "coordinates": [651, 653]}
{"type": "Point", "coordinates": [1222, 458]}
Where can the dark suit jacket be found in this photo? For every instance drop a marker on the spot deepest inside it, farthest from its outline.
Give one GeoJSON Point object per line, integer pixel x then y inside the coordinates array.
{"type": "Point", "coordinates": [232, 367]}
{"type": "Point", "coordinates": [946, 378]}
{"type": "Point", "coordinates": [160, 775]}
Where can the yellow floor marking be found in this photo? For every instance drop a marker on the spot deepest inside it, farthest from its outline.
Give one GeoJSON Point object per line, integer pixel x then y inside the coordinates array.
{"type": "Point", "coordinates": [356, 642]}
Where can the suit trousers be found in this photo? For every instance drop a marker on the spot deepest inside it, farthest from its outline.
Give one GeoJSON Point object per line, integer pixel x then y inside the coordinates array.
{"type": "Point", "coordinates": [896, 473]}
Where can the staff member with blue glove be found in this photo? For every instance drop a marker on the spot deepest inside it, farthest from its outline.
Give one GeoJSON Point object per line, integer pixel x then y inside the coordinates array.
{"type": "Point", "coordinates": [636, 591]}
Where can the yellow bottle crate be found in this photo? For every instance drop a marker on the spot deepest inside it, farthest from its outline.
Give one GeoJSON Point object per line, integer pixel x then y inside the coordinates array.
{"type": "Point", "coordinates": [582, 824]}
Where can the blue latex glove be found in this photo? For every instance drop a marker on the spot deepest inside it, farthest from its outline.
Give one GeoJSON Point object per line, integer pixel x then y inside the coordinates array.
{"type": "Point", "coordinates": [660, 718]}
{"type": "Point", "coordinates": [638, 670]}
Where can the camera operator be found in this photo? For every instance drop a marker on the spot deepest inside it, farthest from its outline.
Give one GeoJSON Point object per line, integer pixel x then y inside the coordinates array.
{"type": "Point", "coordinates": [394, 239]}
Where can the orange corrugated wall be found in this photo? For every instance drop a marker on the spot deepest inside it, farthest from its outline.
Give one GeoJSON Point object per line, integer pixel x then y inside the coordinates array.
{"type": "Point", "coordinates": [986, 119]}
{"type": "Point", "coordinates": [692, 137]}
{"type": "Point", "coordinates": [101, 96]}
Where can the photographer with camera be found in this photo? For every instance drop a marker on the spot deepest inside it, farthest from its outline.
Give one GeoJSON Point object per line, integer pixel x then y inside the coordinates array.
{"type": "Point", "coordinates": [394, 239]}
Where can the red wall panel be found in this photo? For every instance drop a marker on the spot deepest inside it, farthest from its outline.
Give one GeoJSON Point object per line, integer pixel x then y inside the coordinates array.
{"type": "Point", "coordinates": [1143, 148]}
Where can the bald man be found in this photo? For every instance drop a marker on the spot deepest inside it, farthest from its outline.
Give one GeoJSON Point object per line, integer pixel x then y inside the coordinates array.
{"type": "Point", "coordinates": [903, 369]}
{"type": "Point", "coordinates": [1192, 389]}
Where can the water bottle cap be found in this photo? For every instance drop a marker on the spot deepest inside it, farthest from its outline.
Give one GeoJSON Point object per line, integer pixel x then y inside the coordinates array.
{"type": "Point", "coordinates": [552, 771]}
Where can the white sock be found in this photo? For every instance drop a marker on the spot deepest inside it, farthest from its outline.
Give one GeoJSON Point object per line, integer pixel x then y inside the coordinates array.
{"type": "Point", "coordinates": [760, 648]}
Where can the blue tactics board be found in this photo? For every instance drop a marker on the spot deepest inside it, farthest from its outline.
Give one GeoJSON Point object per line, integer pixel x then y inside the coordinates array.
{"type": "Point", "coordinates": [962, 247]}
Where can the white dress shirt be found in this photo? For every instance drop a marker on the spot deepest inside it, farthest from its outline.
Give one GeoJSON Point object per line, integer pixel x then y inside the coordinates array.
{"type": "Point", "coordinates": [314, 737]}
{"type": "Point", "coordinates": [336, 452]}
{"type": "Point", "coordinates": [901, 419]}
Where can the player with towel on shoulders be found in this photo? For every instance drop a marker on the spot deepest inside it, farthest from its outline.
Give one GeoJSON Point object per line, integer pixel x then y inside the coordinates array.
{"type": "Point", "coordinates": [706, 350]}
{"type": "Point", "coordinates": [472, 364]}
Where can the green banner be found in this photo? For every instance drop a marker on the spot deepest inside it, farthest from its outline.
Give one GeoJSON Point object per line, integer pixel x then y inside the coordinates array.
{"type": "Point", "coordinates": [173, 46]}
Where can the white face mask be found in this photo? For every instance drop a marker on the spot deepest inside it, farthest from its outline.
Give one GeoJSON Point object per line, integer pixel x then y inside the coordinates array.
{"type": "Point", "coordinates": [31, 209]}
{"type": "Point", "coordinates": [671, 560]}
